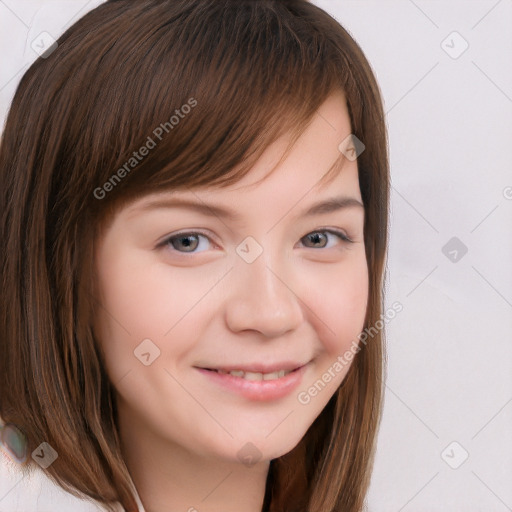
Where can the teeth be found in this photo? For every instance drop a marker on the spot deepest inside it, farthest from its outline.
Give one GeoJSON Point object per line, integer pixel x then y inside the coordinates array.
{"type": "Point", "coordinates": [252, 376]}
{"type": "Point", "coordinates": [257, 375]}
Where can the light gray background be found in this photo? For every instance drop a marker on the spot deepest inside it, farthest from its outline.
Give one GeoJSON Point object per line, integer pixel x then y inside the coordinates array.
{"type": "Point", "coordinates": [450, 127]}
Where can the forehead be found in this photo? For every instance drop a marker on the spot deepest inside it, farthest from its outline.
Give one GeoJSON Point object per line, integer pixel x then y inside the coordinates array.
{"type": "Point", "coordinates": [314, 165]}
{"type": "Point", "coordinates": [318, 147]}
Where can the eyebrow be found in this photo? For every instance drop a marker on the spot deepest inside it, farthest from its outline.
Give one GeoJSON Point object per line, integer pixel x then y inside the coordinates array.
{"type": "Point", "coordinates": [325, 206]}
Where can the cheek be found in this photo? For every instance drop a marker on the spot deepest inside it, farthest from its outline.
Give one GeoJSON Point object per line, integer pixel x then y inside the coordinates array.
{"type": "Point", "coordinates": [339, 301]}
{"type": "Point", "coordinates": [145, 299]}
{"type": "Point", "coordinates": [130, 301]}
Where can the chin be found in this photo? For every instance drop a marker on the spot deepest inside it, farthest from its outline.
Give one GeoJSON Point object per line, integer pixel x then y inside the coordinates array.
{"type": "Point", "coordinates": [274, 448]}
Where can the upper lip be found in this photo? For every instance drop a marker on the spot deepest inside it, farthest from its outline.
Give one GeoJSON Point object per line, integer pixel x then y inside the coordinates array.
{"type": "Point", "coordinates": [257, 367]}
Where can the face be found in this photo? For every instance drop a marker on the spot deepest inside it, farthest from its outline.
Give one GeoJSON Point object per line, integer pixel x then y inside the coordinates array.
{"type": "Point", "coordinates": [223, 326]}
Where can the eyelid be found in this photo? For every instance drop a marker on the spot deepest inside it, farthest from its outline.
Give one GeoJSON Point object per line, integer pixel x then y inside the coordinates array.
{"type": "Point", "coordinates": [342, 234]}
{"type": "Point", "coordinates": [165, 240]}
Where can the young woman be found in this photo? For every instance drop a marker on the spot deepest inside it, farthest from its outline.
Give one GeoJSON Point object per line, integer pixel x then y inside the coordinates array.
{"type": "Point", "coordinates": [194, 212]}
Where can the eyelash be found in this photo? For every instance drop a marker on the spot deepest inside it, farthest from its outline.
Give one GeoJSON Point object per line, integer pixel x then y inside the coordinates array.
{"type": "Point", "coordinates": [167, 242]}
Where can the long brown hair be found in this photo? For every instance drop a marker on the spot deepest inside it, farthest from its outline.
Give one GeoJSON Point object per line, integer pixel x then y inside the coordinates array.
{"type": "Point", "coordinates": [248, 72]}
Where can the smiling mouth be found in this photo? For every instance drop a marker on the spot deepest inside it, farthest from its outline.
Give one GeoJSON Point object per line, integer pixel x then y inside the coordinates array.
{"type": "Point", "coordinates": [258, 381]}
{"type": "Point", "coordinates": [255, 376]}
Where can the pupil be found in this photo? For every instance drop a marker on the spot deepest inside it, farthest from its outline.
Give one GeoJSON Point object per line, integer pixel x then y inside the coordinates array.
{"type": "Point", "coordinates": [185, 240]}
{"type": "Point", "coordinates": [316, 237]}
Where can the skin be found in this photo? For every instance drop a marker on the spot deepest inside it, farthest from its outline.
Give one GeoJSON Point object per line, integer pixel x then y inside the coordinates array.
{"type": "Point", "coordinates": [301, 300]}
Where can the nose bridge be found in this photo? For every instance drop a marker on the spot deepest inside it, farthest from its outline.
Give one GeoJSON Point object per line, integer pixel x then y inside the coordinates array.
{"type": "Point", "coordinates": [262, 298]}
{"type": "Point", "coordinates": [262, 276]}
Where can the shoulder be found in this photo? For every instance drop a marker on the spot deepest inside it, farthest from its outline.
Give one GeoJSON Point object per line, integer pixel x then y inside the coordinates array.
{"type": "Point", "coordinates": [28, 489]}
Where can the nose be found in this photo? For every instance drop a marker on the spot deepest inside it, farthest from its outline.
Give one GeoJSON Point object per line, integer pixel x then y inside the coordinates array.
{"type": "Point", "coordinates": [262, 299]}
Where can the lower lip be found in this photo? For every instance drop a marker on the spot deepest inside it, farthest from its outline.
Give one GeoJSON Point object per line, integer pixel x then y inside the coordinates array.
{"type": "Point", "coordinates": [258, 390]}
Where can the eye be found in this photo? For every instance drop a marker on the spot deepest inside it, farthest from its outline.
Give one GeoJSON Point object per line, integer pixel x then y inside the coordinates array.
{"type": "Point", "coordinates": [187, 242]}
{"type": "Point", "coordinates": [195, 242]}
{"type": "Point", "coordinates": [319, 239]}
